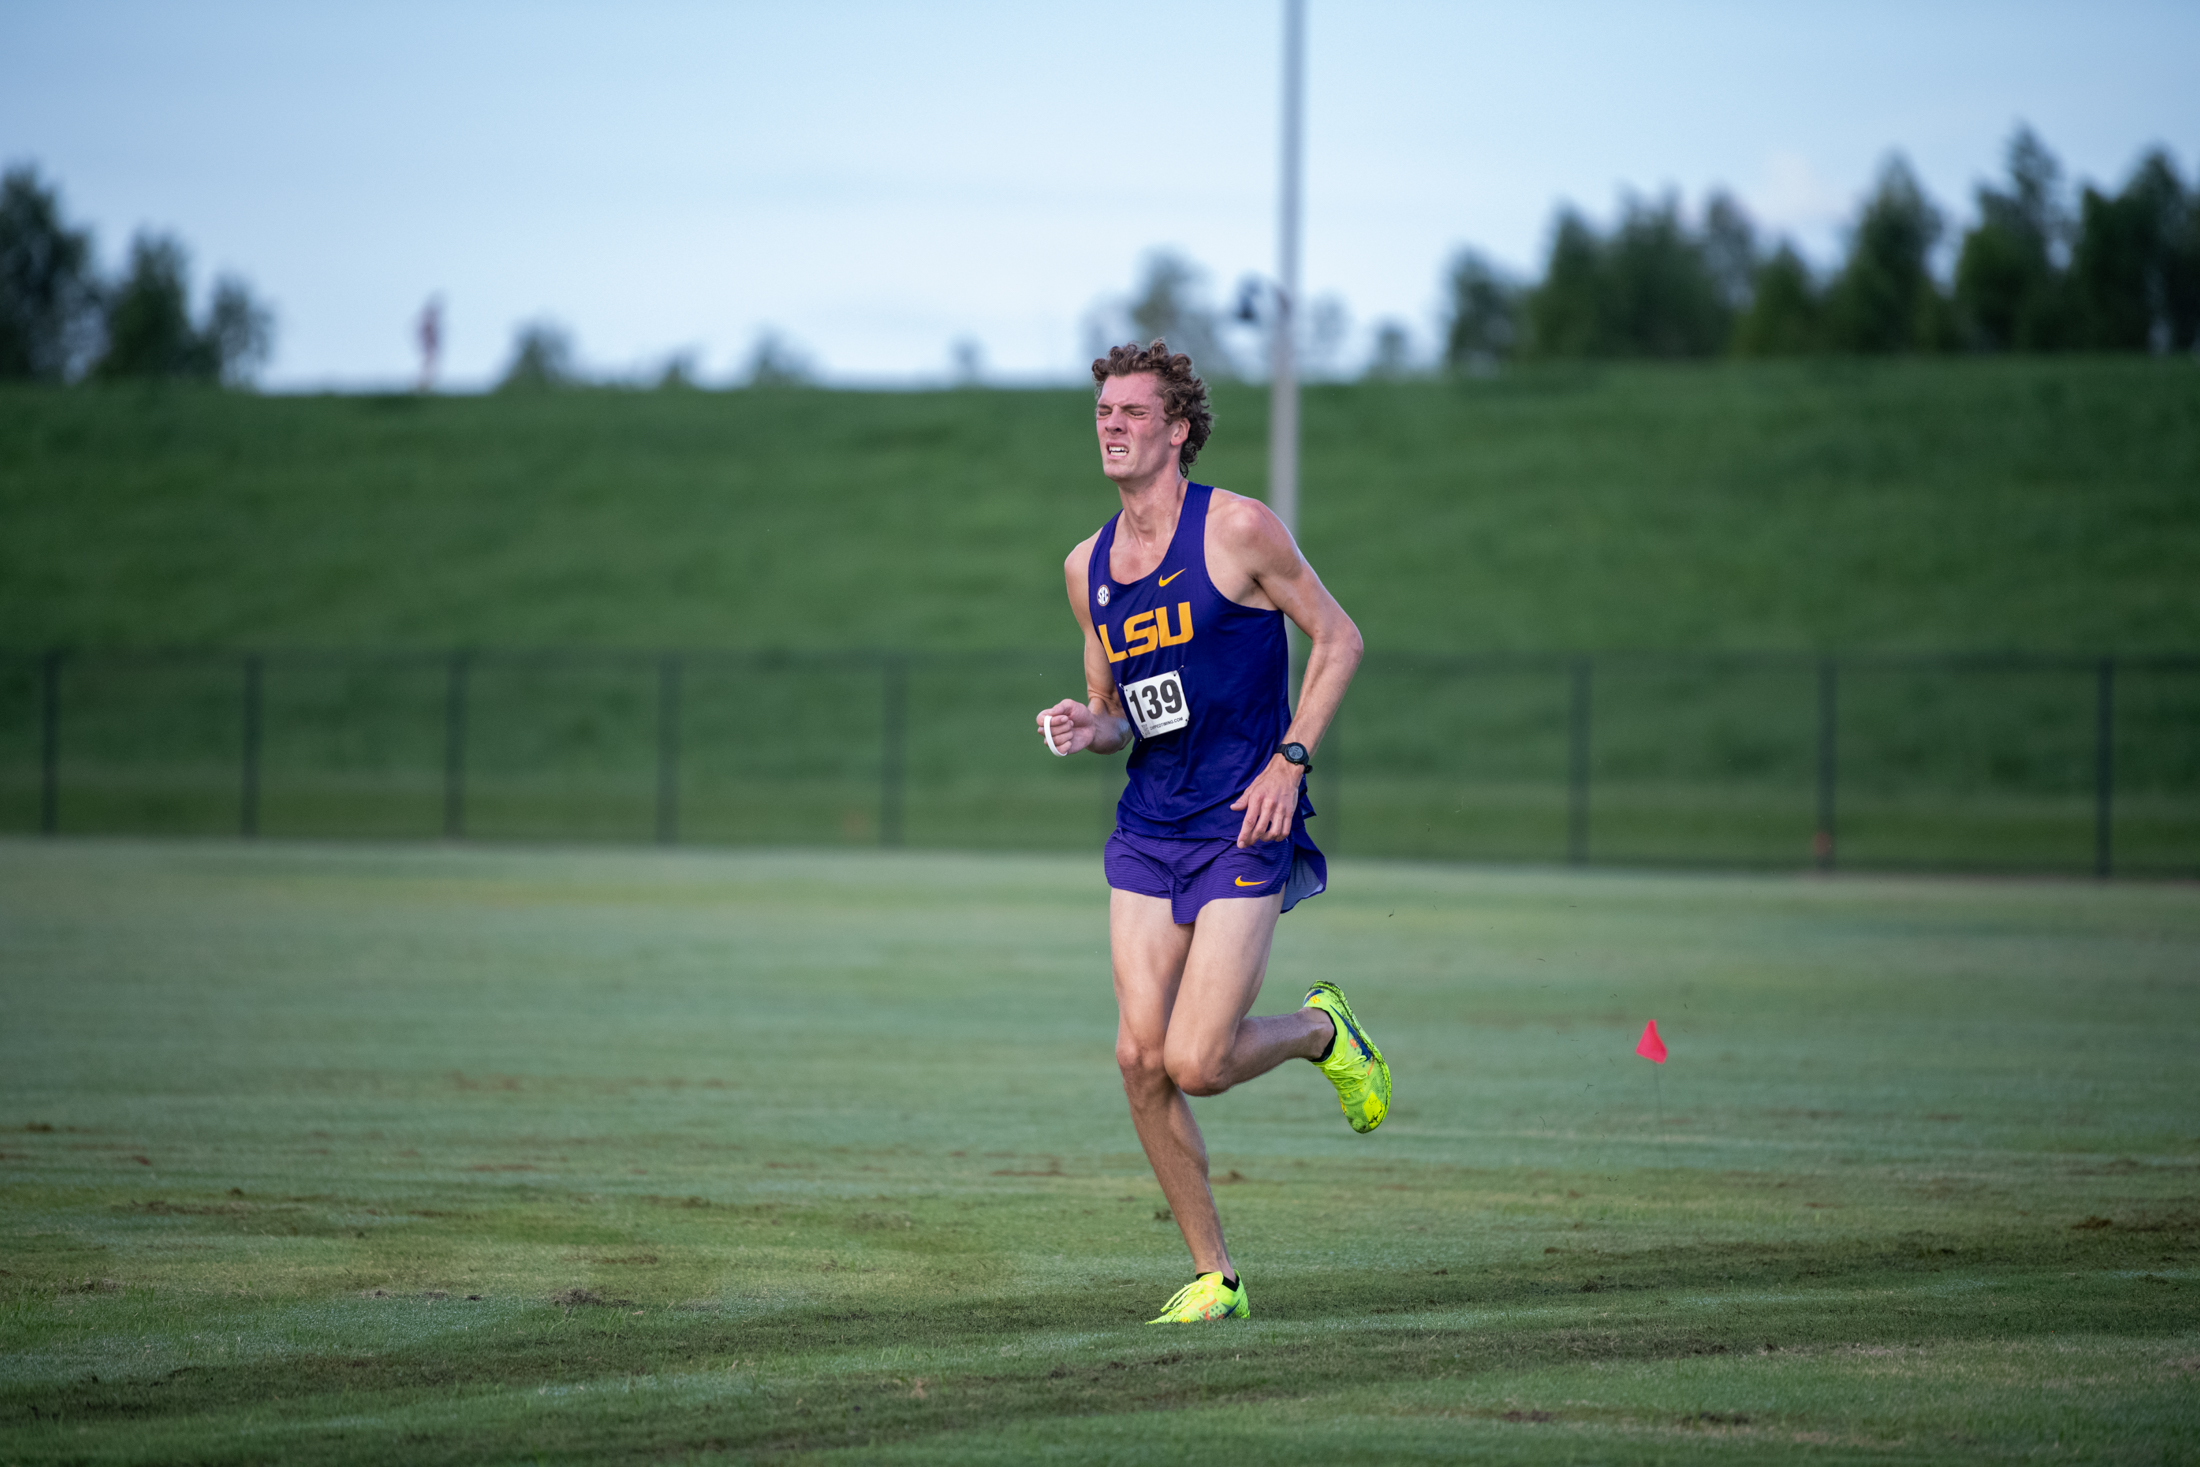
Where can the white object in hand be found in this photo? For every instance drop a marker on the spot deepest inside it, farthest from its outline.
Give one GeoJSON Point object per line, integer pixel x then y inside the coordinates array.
{"type": "Point", "coordinates": [1048, 724]}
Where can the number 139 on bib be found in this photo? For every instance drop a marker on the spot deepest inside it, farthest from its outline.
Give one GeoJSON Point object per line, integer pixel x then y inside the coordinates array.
{"type": "Point", "coordinates": [1158, 704]}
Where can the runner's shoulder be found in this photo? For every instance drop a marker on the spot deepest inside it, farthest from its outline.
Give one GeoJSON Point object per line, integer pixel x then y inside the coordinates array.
{"type": "Point", "coordinates": [1245, 526]}
{"type": "Point", "coordinates": [1076, 567]}
{"type": "Point", "coordinates": [1080, 556]}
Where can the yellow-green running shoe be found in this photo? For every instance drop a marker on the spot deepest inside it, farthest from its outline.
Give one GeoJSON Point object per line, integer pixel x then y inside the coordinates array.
{"type": "Point", "coordinates": [1207, 1297]}
{"type": "Point", "coordinates": [1355, 1066]}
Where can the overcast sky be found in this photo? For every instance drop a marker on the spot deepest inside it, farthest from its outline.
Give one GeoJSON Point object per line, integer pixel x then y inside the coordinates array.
{"type": "Point", "coordinates": [875, 181]}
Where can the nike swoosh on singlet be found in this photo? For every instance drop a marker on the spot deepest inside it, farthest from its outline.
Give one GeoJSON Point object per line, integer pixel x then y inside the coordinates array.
{"type": "Point", "coordinates": [1172, 575]}
{"type": "Point", "coordinates": [1241, 881]}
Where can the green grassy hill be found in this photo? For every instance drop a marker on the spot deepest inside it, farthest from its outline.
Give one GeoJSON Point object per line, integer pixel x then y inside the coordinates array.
{"type": "Point", "coordinates": [1914, 504]}
{"type": "Point", "coordinates": [1859, 507]}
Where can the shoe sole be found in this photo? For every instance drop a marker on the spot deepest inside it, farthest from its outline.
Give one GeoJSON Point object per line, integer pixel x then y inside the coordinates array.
{"type": "Point", "coordinates": [1243, 1309]}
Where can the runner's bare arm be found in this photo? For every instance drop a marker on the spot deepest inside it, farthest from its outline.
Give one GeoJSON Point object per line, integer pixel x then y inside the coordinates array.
{"type": "Point", "coordinates": [1261, 565]}
{"type": "Point", "coordinates": [1098, 723]}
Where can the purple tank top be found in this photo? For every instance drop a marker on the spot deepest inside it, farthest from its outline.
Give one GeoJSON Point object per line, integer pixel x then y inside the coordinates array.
{"type": "Point", "coordinates": [1206, 682]}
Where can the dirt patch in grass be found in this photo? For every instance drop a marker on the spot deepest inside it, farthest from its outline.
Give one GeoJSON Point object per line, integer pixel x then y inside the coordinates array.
{"type": "Point", "coordinates": [162, 1207]}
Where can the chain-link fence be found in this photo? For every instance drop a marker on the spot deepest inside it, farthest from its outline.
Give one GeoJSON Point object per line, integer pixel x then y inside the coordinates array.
{"type": "Point", "coordinates": [2041, 763]}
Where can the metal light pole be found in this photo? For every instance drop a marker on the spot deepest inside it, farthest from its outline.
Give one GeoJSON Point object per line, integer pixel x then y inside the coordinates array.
{"type": "Point", "coordinates": [1283, 390]}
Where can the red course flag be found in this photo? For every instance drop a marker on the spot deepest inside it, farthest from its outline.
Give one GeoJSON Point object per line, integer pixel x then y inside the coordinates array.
{"type": "Point", "coordinates": [1650, 1047]}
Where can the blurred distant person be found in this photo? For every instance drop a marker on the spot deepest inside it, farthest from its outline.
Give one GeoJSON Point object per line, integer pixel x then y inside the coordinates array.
{"type": "Point", "coordinates": [430, 331]}
{"type": "Point", "coordinates": [1182, 598]}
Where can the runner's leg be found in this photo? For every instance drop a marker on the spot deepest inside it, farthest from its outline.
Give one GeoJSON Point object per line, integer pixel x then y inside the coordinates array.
{"type": "Point", "coordinates": [1201, 979]}
{"type": "Point", "coordinates": [1149, 949]}
{"type": "Point", "coordinates": [1212, 1045]}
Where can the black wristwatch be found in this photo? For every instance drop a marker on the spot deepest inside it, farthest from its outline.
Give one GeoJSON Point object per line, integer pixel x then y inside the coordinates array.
{"type": "Point", "coordinates": [1296, 754]}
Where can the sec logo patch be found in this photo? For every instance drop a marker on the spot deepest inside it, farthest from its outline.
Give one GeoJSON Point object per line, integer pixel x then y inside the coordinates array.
{"type": "Point", "coordinates": [1102, 598]}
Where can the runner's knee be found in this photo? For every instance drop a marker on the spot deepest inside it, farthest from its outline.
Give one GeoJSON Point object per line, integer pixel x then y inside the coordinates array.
{"type": "Point", "coordinates": [1198, 1072]}
{"type": "Point", "coordinates": [1141, 1064]}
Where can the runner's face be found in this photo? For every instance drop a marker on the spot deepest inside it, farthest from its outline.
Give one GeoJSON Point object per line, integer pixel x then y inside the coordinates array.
{"type": "Point", "coordinates": [1137, 441]}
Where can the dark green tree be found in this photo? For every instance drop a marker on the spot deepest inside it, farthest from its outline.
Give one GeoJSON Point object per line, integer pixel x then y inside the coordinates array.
{"type": "Point", "coordinates": [1786, 315]}
{"type": "Point", "coordinates": [1652, 288]}
{"type": "Point", "coordinates": [1567, 311]}
{"type": "Point", "coordinates": [149, 328]}
{"type": "Point", "coordinates": [1662, 298]}
{"type": "Point", "coordinates": [542, 358]}
{"type": "Point", "coordinates": [1484, 324]}
{"type": "Point", "coordinates": [2135, 271]}
{"type": "Point", "coordinates": [240, 331]}
{"type": "Point", "coordinates": [1172, 304]}
{"type": "Point", "coordinates": [2011, 290]}
{"type": "Point", "coordinates": [1730, 251]}
{"type": "Point", "coordinates": [1885, 298]}
{"type": "Point", "coordinates": [2181, 275]}
{"type": "Point", "coordinates": [2181, 272]}
{"type": "Point", "coordinates": [49, 296]}
{"type": "Point", "coordinates": [1392, 357]}
{"type": "Point", "coordinates": [773, 362]}
{"type": "Point", "coordinates": [679, 373]}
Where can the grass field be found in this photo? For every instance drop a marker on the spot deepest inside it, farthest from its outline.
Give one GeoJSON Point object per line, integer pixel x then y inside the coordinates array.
{"type": "Point", "coordinates": [345, 1154]}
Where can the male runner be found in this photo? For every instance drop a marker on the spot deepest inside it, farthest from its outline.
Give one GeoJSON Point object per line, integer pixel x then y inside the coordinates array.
{"type": "Point", "coordinates": [1182, 598]}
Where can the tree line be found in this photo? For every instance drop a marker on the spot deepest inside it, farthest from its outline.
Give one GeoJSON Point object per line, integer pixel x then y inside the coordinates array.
{"type": "Point", "coordinates": [61, 319]}
{"type": "Point", "coordinates": [2115, 272]}
{"type": "Point", "coordinates": [2038, 270]}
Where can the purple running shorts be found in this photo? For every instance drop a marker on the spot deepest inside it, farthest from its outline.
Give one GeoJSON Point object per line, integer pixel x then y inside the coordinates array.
{"type": "Point", "coordinates": [1191, 873]}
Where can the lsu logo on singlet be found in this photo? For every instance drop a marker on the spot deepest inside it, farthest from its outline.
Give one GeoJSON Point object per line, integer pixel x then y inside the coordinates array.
{"type": "Point", "coordinates": [1149, 631]}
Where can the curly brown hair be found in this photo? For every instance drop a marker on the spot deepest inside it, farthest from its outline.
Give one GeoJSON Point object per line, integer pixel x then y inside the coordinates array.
{"type": "Point", "coordinates": [1183, 395]}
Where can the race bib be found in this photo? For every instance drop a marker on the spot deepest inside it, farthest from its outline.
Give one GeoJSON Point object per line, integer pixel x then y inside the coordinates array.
{"type": "Point", "coordinates": [1157, 704]}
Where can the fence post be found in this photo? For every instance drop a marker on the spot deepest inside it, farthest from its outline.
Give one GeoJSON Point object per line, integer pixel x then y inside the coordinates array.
{"type": "Point", "coordinates": [893, 751]}
{"type": "Point", "coordinates": [1577, 766]}
{"type": "Point", "coordinates": [454, 745]}
{"type": "Point", "coordinates": [2104, 767]}
{"type": "Point", "coordinates": [1828, 764]}
{"type": "Point", "coordinates": [49, 743]}
{"type": "Point", "coordinates": [668, 750]}
{"type": "Point", "coordinates": [248, 807]}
